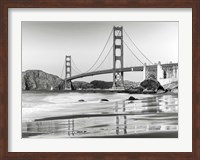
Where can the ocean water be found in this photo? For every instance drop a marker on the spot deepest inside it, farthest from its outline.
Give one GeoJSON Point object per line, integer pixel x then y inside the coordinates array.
{"type": "Point", "coordinates": [62, 115]}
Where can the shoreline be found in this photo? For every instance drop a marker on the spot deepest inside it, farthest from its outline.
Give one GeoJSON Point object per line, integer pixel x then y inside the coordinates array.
{"type": "Point", "coordinates": [94, 91]}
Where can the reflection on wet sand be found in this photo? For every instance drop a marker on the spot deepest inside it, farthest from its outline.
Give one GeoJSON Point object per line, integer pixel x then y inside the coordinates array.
{"type": "Point", "coordinates": [141, 118]}
{"type": "Point", "coordinates": [117, 118]}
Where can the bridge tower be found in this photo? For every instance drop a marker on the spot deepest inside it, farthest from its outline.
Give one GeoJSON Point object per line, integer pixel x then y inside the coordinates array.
{"type": "Point", "coordinates": [118, 55]}
{"type": "Point", "coordinates": [68, 72]}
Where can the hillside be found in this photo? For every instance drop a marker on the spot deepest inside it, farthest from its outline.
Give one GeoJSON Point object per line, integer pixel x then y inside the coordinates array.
{"type": "Point", "coordinates": [39, 80]}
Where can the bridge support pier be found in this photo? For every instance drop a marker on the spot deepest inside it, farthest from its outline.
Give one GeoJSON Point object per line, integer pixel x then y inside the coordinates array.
{"type": "Point", "coordinates": [68, 85]}
{"type": "Point", "coordinates": [118, 84]}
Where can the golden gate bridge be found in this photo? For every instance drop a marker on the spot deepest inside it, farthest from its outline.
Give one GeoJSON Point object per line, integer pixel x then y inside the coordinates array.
{"type": "Point", "coordinates": [162, 72]}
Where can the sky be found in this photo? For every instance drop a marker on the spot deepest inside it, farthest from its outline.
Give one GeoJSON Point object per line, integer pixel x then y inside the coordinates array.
{"type": "Point", "coordinates": [45, 44]}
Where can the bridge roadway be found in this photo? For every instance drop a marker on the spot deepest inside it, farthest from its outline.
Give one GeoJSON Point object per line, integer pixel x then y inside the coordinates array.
{"type": "Point", "coordinates": [126, 69]}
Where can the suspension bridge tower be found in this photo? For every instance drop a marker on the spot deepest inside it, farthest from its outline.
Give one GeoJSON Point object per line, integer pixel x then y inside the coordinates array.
{"type": "Point", "coordinates": [68, 72]}
{"type": "Point", "coordinates": [118, 56]}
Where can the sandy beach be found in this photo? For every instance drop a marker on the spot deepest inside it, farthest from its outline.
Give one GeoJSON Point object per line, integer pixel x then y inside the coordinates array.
{"type": "Point", "coordinates": [62, 115]}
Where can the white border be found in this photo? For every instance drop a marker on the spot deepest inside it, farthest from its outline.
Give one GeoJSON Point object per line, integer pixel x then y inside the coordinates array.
{"type": "Point", "coordinates": [181, 144]}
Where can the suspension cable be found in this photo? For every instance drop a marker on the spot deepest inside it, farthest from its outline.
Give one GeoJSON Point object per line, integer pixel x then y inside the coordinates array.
{"type": "Point", "coordinates": [75, 70]}
{"type": "Point", "coordinates": [74, 64]}
{"type": "Point", "coordinates": [62, 70]}
{"type": "Point", "coordinates": [104, 58]}
{"type": "Point", "coordinates": [133, 52]}
{"type": "Point", "coordinates": [106, 55]}
{"type": "Point", "coordinates": [101, 52]}
{"type": "Point", "coordinates": [137, 47]}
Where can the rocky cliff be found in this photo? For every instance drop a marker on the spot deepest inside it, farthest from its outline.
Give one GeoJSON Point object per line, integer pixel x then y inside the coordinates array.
{"type": "Point", "coordinates": [39, 80]}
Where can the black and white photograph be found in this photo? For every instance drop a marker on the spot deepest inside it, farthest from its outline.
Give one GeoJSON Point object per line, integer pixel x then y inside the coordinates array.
{"type": "Point", "coordinates": [99, 79]}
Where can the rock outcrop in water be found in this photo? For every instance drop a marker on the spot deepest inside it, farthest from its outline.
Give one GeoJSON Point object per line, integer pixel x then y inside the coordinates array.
{"type": "Point", "coordinates": [39, 80]}
{"type": "Point", "coordinates": [104, 100]}
{"type": "Point", "coordinates": [151, 86]}
{"type": "Point", "coordinates": [131, 98]}
{"type": "Point", "coordinates": [147, 86]}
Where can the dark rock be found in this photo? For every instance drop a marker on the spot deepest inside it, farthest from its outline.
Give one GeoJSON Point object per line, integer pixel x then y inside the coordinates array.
{"type": "Point", "coordinates": [161, 88]}
{"type": "Point", "coordinates": [132, 90]}
{"type": "Point", "coordinates": [39, 80]}
{"type": "Point", "coordinates": [131, 98]}
{"type": "Point", "coordinates": [151, 86]}
{"type": "Point", "coordinates": [81, 100]}
{"type": "Point", "coordinates": [104, 100]}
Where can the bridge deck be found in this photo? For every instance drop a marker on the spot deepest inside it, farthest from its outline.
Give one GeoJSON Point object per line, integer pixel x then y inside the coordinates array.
{"type": "Point", "coordinates": [126, 69]}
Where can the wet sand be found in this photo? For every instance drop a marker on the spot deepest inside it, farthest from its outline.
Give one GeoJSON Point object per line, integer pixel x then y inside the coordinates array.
{"type": "Point", "coordinates": [85, 116]}
{"type": "Point", "coordinates": [149, 117]}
